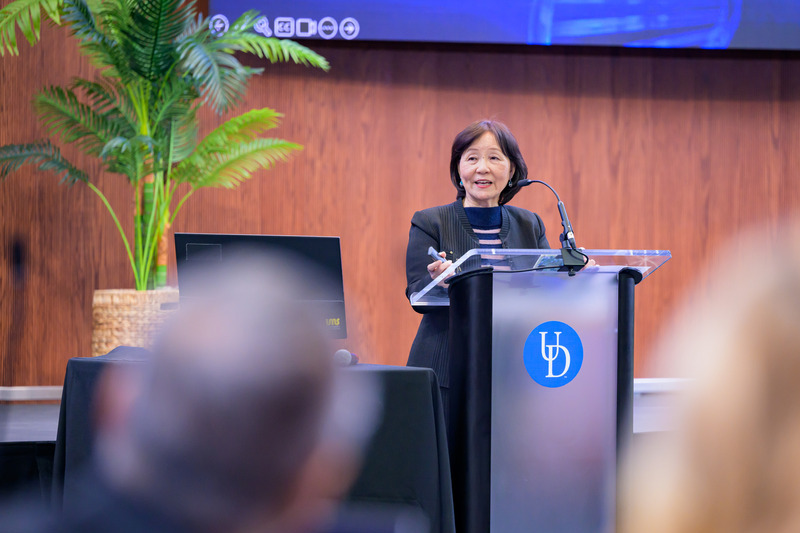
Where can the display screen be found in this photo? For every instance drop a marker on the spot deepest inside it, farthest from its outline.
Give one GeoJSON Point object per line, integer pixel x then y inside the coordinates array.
{"type": "Point", "coordinates": [323, 291]}
{"type": "Point", "coordinates": [743, 24]}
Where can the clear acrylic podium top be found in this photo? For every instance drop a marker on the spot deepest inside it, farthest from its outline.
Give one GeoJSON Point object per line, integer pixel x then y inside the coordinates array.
{"type": "Point", "coordinates": [529, 260]}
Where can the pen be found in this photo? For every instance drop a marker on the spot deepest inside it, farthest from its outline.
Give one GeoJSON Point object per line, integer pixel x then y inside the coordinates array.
{"type": "Point", "coordinates": [434, 254]}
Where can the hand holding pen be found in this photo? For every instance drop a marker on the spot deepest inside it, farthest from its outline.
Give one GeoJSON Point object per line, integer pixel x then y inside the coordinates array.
{"type": "Point", "coordinates": [439, 265]}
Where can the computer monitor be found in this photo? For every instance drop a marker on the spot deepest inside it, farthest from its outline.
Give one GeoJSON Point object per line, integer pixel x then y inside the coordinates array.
{"type": "Point", "coordinates": [322, 253]}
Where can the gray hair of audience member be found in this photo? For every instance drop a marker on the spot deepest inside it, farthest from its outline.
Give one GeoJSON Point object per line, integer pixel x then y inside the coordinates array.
{"type": "Point", "coordinates": [732, 464]}
{"type": "Point", "coordinates": [239, 394]}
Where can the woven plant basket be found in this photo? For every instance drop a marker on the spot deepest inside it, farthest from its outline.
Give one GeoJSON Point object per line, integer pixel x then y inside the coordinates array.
{"type": "Point", "coordinates": [127, 317]}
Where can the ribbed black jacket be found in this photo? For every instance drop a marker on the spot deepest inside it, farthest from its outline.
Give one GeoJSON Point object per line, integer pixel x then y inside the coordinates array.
{"type": "Point", "coordinates": [447, 229]}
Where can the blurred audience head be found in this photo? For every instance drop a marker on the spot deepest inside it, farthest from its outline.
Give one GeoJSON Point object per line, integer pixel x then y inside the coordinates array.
{"type": "Point", "coordinates": [240, 421]}
{"type": "Point", "coordinates": [732, 465]}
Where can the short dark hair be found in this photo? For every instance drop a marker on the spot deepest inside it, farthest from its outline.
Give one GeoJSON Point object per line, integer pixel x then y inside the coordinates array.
{"type": "Point", "coordinates": [508, 144]}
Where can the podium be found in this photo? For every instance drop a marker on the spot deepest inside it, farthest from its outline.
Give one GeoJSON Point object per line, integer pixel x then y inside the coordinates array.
{"type": "Point", "coordinates": [541, 385]}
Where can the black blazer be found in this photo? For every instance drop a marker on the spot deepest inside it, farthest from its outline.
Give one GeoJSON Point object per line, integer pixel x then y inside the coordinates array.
{"type": "Point", "coordinates": [447, 229]}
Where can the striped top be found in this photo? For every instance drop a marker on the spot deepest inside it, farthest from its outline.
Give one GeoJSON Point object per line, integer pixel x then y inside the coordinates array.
{"type": "Point", "coordinates": [486, 223]}
{"type": "Point", "coordinates": [447, 228]}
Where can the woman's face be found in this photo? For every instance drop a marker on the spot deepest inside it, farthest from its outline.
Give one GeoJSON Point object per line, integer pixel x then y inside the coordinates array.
{"type": "Point", "coordinates": [485, 171]}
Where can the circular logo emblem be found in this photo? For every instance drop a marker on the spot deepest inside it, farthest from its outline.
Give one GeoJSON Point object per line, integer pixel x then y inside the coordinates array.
{"type": "Point", "coordinates": [553, 354]}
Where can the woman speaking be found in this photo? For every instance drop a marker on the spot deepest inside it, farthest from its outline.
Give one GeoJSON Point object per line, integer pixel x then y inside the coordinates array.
{"type": "Point", "coordinates": [486, 168]}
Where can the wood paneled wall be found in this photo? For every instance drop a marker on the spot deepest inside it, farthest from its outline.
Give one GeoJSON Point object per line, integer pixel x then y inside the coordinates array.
{"type": "Point", "coordinates": [656, 150]}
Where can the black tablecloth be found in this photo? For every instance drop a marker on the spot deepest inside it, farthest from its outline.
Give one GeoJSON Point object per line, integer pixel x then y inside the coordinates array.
{"type": "Point", "coordinates": [406, 463]}
{"type": "Point", "coordinates": [74, 437]}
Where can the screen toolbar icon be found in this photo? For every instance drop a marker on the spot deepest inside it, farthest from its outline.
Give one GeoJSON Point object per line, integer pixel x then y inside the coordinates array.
{"type": "Point", "coordinates": [219, 25]}
{"type": "Point", "coordinates": [327, 28]}
{"type": "Point", "coordinates": [349, 28]}
{"type": "Point", "coordinates": [262, 26]}
{"type": "Point", "coordinates": [306, 27]}
{"type": "Point", "coordinates": [284, 27]}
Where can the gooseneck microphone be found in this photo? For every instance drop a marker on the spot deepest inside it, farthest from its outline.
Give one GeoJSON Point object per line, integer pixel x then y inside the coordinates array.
{"type": "Point", "coordinates": [574, 259]}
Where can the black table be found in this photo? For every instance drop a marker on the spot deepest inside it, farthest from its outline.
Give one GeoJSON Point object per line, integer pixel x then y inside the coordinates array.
{"type": "Point", "coordinates": [27, 444]}
{"type": "Point", "coordinates": [406, 463]}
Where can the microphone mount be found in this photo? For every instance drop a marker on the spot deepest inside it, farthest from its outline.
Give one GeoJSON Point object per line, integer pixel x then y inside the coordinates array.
{"type": "Point", "coordinates": [573, 258]}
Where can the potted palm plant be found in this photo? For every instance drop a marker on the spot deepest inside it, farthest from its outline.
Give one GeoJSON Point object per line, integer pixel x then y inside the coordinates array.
{"type": "Point", "coordinates": [158, 62]}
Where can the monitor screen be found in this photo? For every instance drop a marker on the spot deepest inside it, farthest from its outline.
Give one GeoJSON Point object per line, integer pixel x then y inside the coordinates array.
{"type": "Point", "coordinates": [322, 253]}
{"type": "Point", "coordinates": [745, 24]}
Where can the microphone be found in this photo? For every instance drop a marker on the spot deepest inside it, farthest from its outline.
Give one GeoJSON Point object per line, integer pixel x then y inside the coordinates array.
{"type": "Point", "coordinates": [343, 357]}
{"type": "Point", "coordinates": [574, 259]}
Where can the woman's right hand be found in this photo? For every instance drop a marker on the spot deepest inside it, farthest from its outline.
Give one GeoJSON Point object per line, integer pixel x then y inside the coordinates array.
{"type": "Point", "coordinates": [437, 267]}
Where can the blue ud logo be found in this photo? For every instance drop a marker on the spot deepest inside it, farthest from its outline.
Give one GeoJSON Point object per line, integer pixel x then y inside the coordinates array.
{"type": "Point", "coordinates": [553, 354]}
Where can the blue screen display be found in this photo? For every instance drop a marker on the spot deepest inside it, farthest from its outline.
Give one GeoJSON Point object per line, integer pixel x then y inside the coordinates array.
{"type": "Point", "coordinates": [745, 24]}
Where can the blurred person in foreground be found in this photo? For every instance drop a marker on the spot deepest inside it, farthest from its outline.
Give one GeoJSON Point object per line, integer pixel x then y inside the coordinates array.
{"type": "Point", "coordinates": [239, 422]}
{"type": "Point", "coordinates": [733, 463]}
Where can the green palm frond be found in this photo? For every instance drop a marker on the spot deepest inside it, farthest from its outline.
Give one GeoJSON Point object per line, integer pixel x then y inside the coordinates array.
{"type": "Point", "coordinates": [99, 47]}
{"type": "Point", "coordinates": [78, 15]}
{"type": "Point", "coordinates": [27, 16]}
{"type": "Point", "coordinates": [64, 115]}
{"type": "Point", "coordinates": [125, 165]}
{"type": "Point", "coordinates": [242, 128]}
{"type": "Point", "coordinates": [175, 100]}
{"type": "Point", "coordinates": [230, 167]}
{"type": "Point", "coordinates": [149, 40]}
{"type": "Point", "coordinates": [128, 156]}
{"type": "Point", "coordinates": [184, 140]}
{"type": "Point", "coordinates": [210, 60]}
{"type": "Point", "coordinates": [109, 99]}
{"type": "Point", "coordinates": [43, 153]}
{"type": "Point", "coordinates": [240, 37]}
{"type": "Point", "coordinates": [281, 50]}
{"type": "Point", "coordinates": [173, 119]}
{"type": "Point", "coordinates": [142, 143]}
{"type": "Point", "coordinates": [108, 54]}
{"type": "Point", "coordinates": [193, 26]}
{"type": "Point", "coordinates": [220, 78]}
